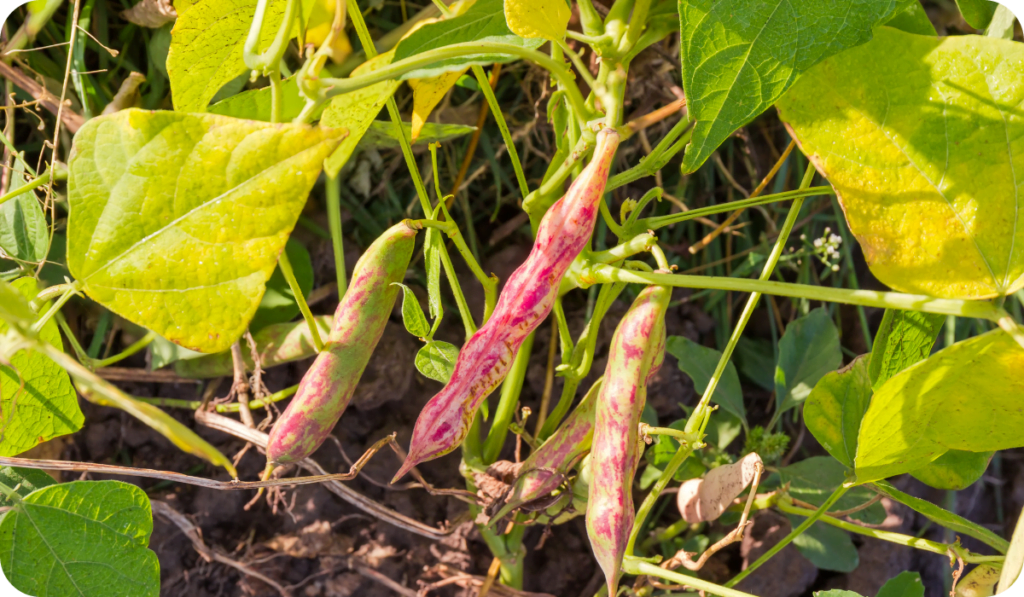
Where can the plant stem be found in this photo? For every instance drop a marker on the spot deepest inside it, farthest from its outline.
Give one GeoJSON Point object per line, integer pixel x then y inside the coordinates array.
{"type": "Point", "coordinates": [510, 391]}
{"type": "Point", "coordinates": [69, 291]}
{"type": "Point", "coordinates": [657, 222]}
{"type": "Point", "coordinates": [289, 275]}
{"type": "Point", "coordinates": [270, 60]}
{"type": "Point", "coordinates": [124, 354]}
{"type": "Point", "coordinates": [696, 420]}
{"type": "Point", "coordinates": [276, 96]}
{"type": "Point", "coordinates": [637, 566]}
{"type": "Point", "coordinates": [334, 221]}
{"type": "Point", "coordinates": [806, 524]}
{"type": "Point", "coordinates": [898, 538]}
{"type": "Point", "coordinates": [31, 185]}
{"type": "Point", "coordinates": [221, 408]}
{"type": "Point", "coordinates": [677, 138]}
{"type": "Point", "coordinates": [397, 69]}
{"type": "Point", "coordinates": [485, 87]}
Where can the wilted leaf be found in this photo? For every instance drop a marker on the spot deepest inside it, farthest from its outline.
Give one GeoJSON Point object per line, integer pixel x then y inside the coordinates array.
{"type": "Point", "coordinates": [835, 407]}
{"type": "Point", "coordinates": [904, 338]}
{"type": "Point", "coordinates": [699, 362]}
{"type": "Point", "coordinates": [955, 470]}
{"type": "Point", "coordinates": [706, 499]}
{"type": "Point", "coordinates": [739, 56]}
{"type": "Point", "coordinates": [177, 220]}
{"type": "Point", "coordinates": [81, 538]}
{"type": "Point", "coordinates": [538, 18]}
{"type": "Point", "coordinates": [37, 401]}
{"type": "Point", "coordinates": [427, 93]}
{"type": "Point", "coordinates": [923, 141]}
{"type": "Point", "coordinates": [436, 360]}
{"type": "Point", "coordinates": [965, 397]}
{"type": "Point", "coordinates": [979, 582]}
{"type": "Point", "coordinates": [24, 235]}
{"type": "Point", "coordinates": [807, 351]}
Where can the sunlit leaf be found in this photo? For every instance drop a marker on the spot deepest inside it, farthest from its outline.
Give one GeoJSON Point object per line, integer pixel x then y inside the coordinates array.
{"type": "Point", "coordinates": [835, 407]}
{"type": "Point", "coordinates": [81, 538]}
{"type": "Point", "coordinates": [26, 480]}
{"type": "Point", "coordinates": [904, 338]}
{"type": "Point", "coordinates": [37, 401]}
{"type": "Point", "coordinates": [412, 313]}
{"type": "Point", "coordinates": [923, 140]}
{"type": "Point", "coordinates": [436, 360]}
{"type": "Point", "coordinates": [955, 470]}
{"type": "Point", "coordinates": [177, 220]}
{"type": "Point", "coordinates": [427, 93]}
{"type": "Point", "coordinates": [739, 56]}
{"type": "Point", "coordinates": [538, 18]}
{"type": "Point", "coordinates": [965, 397]}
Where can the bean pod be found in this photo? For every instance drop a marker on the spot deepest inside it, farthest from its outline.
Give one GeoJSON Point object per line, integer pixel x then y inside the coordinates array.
{"type": "Point", "coordinates": [359, 321]}
{"type": "Point", "coordinates": [525, 301]}
{"type": "Point", "coordinates": [636, 353]}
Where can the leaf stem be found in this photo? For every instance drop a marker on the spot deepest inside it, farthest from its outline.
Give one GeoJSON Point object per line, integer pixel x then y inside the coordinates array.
{"type": "Point", "coordinates": [221, 408]}
{"type": "Point", "coordinates": [268, 61]}
{"type": "Point", "coordinates": [806, 524]}
{"type": "Point", "coordinates": [337, 242]}
{"type": "Point", "coordinates": [289, 275]}
{"type": "Point", "coordinates": [632, 565]}
{"type": "Point", "coordinates": [31, 185]}
{"type": "Point", "coordinates": [677, 138]}
{"type": "Point", "coordinates": [492, 101]}
{"type": "Point", "coordinates": [510, 391]}
{"type": "Point", "coordinates": [69, 291]}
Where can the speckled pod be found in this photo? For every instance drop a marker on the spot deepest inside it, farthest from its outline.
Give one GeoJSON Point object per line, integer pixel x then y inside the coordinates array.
{"type": "Point", "coordinates": [546, 467]}
{"type": "Point", "coordinates": [359, 321]}
{"type": "Point", "coordinates": [525, 301]}
{"type": "Point", "coordinates": [634, 354]}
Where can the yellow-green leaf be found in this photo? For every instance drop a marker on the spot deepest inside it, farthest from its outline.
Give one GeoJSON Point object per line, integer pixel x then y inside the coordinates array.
{"type": "Point", "coordinates": [835, 407]}
{"type": "Point", "coordinates": [37, 402]}
{"type": "Point", "coordinates": [955, 470]}
{"type": "Point", "coordinates": [537, 18]}
{"type": "Point", "coordinates": [427, 93]}
{"type": "Point", "coordinates": [966, 397]}
{"type": "Point", "coordinates": [923, 140]}
{"type": "Point", "coordinates": [206, 47]}
{"type": "Point", "coordinates": [355, 111]}
{"type": "Point", "coordinates": [176, 220]}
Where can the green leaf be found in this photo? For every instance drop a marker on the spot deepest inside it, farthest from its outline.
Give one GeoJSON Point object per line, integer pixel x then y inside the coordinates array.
{"type": "Point", "coordinates": [163, 352]}
{"type": "Point", "coordinates": [922, 141]}
{"type": "Point", "coordinates": [913, 19]}
{"type": "Point", "coordinates": [934, 406]}
{"type": "Point", "coordinates": [278, 304]}
{"type": "Point", "coordinates": [977, 13]}
{"type": "Point", "coordinates": [24, 481]}
{"type": "Point", "coordinates": [355, 111]}
{"type": "Point", "coordinates": [1003, 24]}
{"type": "Point", "coordinates": [14, 308]}
{"type": "Point", "coordinates": [81, 538]}
{"type": "Point", "coordinates": [807, 351]}
{"type": "Point", "coordinates": [813, 480]}
{"type": "Point", "coordinates": [255, 104]}
{"type": "Point", "coordinates": [756, 361]}
{"type": "Point", "coordinates": [432, 261]}
{"type": "Point", "coordinates": [739, 56]}
{"type": "Point", "coordinates": [382, 135]}
{"type": "Point", "coordinates": [436, 360]}
{"type": "Point", "coordinates": [412, 314]}
{"type": "Point", "coordinates": [954, 470]}
{"type": "Point", "coordinates": [943, 517]}
{"type": "Point", "coordinates": [46, 406]}
{"type": "Point", "coordinates": [835, 407]}
{"type": "Point", "coordinates": [825, 546]}
{"type": "Point", "coordinates": [483, 22]}
{"type": "Point", "coordinates": [177, 220]}
{"type": "Point", "coordinates": [904, 338]}
{"type": "Point", "coordinates": [904, 584]}
{"type": "Point", "coordinates": [206, 47]}
{"type": "Point", "coordinates": [699, 362]}
{"type": "Point", "coordinates": [24, 235]}
{"type": "Point", "coordinates": [837, 593]}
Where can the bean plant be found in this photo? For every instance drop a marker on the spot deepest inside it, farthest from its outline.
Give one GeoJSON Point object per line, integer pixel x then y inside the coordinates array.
{"type": "Point", "coordinates": [178, 219]}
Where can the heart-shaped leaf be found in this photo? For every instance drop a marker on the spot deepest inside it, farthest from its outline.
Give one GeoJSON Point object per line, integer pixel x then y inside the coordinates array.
{"type": "Point", "coordinates": [177, 220]}
{"type": "Point", "coordinates": [923, 140]}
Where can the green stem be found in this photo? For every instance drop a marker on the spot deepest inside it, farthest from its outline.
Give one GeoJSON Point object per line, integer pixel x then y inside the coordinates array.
{"type": "Point", "coordinates": [289, 275]}
{"type": "Point", "coordinates": [221, 408]}
{"type": "Point", "coordinates": [510, 391]}
{"type": "Point", "coordinates": [124, 354]}
{"type": "Point", "coordinates": [806, 524]}
{"type": "Point", "coordinates": [696, 420]}
{"type": "Point", "coordinates": [54, 308]}
{"type": "Point", "coordinates": [637, 24]}
{"type": "Point", "coordinates": [637, 566]}
{"type": "Point", "coordinates": [460, 298]}
{"type": "Point", "coordinates": [638, 244]}
{"type": "Point", "coordinates": [492, 102]}
{"type": "Point", "coordinates": [677, 138]}
{"type": "Point", "coordinates": [396, 70]}
{"type": "Point", "coordinates": [490, 283]}
{"type": "Point", "coordinates": [29, 186]}
{"type": "Point", "coordinates": [268, 61]}
{"type": "Point", "coordinates": [657, 222]}
{"type": "Point", "coordinates": [334, 222]}
{"type": "Point", "coordinates": [276, 96]}
{"type": "Point", "coordinates": [898, 538]}
{"type": "Point", "coordinates": [668, 431]}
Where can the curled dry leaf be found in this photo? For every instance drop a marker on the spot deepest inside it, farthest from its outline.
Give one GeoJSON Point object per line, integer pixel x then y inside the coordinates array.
{"type": "Point", "coordinates": [151, 13]}
{"type": "Point", "coordinates": [707, 498]}
{"type": "Point", "coordinates": [127, 95]}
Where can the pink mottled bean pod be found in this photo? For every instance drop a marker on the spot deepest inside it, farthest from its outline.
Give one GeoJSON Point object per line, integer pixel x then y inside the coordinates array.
{"type": "Point", "coordinates": [525, 301]}
{"type": "Point", "coordinates": [359, 321]}
{"type": "Point", "coordinates": [636, 352]}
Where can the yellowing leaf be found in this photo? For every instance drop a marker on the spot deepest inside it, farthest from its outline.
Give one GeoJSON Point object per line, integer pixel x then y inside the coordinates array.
{"type": "Point", "coordinates": [427, 93]}
{"type": "Point", "coordinates": [537, 18]}
{"type": "Point", "coordinates": [923, 140]}
{"type": "Point", "coordinates": [967, 397]}
{"type": "Point", "coordinates": [176, 220]}
{"type": "Point", "coordinates": [37, 402]}
{"type": "Point", "coordinates": [321, 19]}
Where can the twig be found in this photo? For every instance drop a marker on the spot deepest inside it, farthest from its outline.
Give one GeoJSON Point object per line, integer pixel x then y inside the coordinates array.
{"type": "Point", "coordinates": [209, 554]}
{"type": "Point", "coordinates": [240, 387]}
{"type": "Point", "coordinates": [481, 119]}
{"type": "Point", "coordinates": [638, 124]}
{"type": "Point", "coordinates": [72, 121]}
